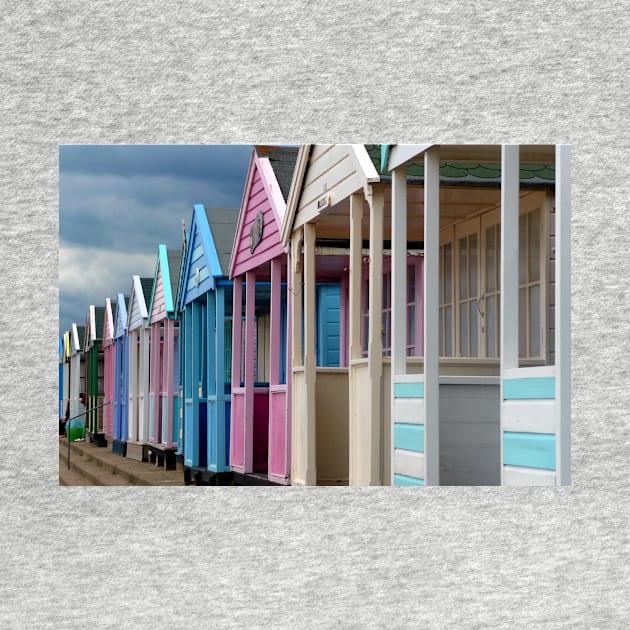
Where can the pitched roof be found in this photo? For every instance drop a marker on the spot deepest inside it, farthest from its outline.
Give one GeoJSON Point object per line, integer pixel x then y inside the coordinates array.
{"type": "Point", "coordinates": [466, 172]}
{"type": "Point", "coordinates": [222, 222]}
{"type": "Point", "coordinates": [282, 161]}
{"type": "Point", "coordinates": [99, 315]}
{"type": "Point", "coordinates": [147, 288]}
{"type": "Point", "coordinates": [174, 257]}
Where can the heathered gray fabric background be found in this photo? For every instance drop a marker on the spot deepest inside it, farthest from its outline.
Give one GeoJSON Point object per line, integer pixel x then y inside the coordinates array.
{"type": "Point", "coordinates": [290, 72]}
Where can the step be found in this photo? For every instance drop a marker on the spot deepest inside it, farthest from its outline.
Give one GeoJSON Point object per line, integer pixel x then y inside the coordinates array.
{"type": "Point", "coordinates": [120, 470]}
{"type": "Point", "coordinates": [71, 477]}
{"type": "Point", "coordinates": [90, 471]}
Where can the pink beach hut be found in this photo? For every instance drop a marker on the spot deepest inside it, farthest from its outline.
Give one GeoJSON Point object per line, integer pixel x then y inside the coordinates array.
{"type": "Point", "coordinates": [164, 361]}
{"type": "Point", "coordinates": [109, 361]}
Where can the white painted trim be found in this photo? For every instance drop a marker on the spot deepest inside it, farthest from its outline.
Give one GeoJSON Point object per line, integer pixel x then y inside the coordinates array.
{"type": "Point", "coordinates": [375, 339]}
{"type": "Point", "coordinates": [529, 416]}
{"type": "Point", "coordinates": [365, 163]}
{"type": "Point", "coordinates": [355, 280]}
{"type": "Point", "coordinates": [399, 272]}
{"type": "Point", "coordinates": [509, 255]}
{"type": "Point", "coordinates": [541, 371]}
{"type": "Point", "coordinates": [408, 463]}
{"type": "Point", "coordinates": [310, 327]}
{"type": "Point", "coordinates": [520, 476]}
{"type": "Point", "coordinates": [563, 312]}
{"type": "Point", "coordinates": [431, 315]}
{"type": "Point", "coordinates": [409, 378]}
{"type": "Point", "coordinates": [407, 410]}
{"type": "Point", "coordinates": [400, 154]}
{"type": "Point", "coordinates": [294, 193]}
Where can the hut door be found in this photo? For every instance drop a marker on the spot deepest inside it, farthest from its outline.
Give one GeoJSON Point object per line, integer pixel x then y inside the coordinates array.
{"type": "Point", "coordinates": [328, 325]}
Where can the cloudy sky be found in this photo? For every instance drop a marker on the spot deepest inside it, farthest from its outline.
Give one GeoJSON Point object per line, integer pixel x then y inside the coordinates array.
{"type": "Point", "coordinates": [118, 202]}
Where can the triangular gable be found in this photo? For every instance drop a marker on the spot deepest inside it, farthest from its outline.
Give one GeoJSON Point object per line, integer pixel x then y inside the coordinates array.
{"type": "Point", "coordinates": [138, 313]}
{"type": "Point", "coordinates": [165, 283]}
{"type": "Point", "coordinates": [320, 183]}
{"type": "Point", "coordinates": [75, 338]}
{"type": "Point", "coordinates": [108, 323]}
{"type": "Point", "coordinates": [120, 327]}
{"type": "Point", "coordinates": [67, 349]}
{"type": "Point", "coordinates": [201, 265]}
{"type": "Point", "coordinates": [87, 336]}
{"type": "Point", "coordinates": [257, 237]}
{"type": "Point", "coordinates": [61, 349]}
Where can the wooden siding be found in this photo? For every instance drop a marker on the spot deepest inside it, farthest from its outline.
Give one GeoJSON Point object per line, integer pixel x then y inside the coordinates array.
{"type": "Point", "coordinates": [196, 258]}
{"type": "Point", "coordinates": [269, 247]}
{"type": "Point", "coordinates": [137, 306]}
{"type": "Point", "coordinates": [158, 311]}
{"type": "Point", "coordinates": [332, 170]}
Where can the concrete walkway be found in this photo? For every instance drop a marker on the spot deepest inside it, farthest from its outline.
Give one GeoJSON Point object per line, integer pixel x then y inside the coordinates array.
{"type": "Point", "coordinates": [91, 465]}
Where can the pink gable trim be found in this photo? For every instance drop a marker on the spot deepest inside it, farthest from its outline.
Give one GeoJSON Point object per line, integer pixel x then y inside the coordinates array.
{"type": "Point", "coordinates": [159, 305]}
{"type": "Point", "coordinates": [108, 324]}
{"type": "Point", "coordinates": [261, 195]}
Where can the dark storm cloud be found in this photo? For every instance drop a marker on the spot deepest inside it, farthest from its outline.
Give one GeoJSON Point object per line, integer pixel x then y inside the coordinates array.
{"type": "Point", "coordinates": [117, 203]}
{"type": "Point", "coordinates": [200, 162]}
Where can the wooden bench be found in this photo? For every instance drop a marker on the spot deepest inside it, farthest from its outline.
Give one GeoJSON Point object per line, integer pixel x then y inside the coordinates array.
{"type": "Point", "coordinates": [164, 456]}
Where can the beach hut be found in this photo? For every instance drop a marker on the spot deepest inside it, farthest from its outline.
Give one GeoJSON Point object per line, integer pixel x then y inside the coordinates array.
{"type": "Point", "coordinates": [67, 349]}
{"type": "Point", "coordinates": [164, 362]}
{"type": "Point", "coordinates": [94, 373]}
{"type": "Point", "coordinates": [121, 376]}
{"type": "Point", "coordinates": [109, 369]}
{"type": "Point", "coordinates": [347, 192]}
{"type": "Point", "coordinates": [260, 432]}
{"type": "Point", "coordinates": [205, 305]}
{"type": "Point", "coordinates": [77, 370]}
{"type": "Point", "coordinates": [496, 316]}
{"type": "Point", "coordinates": [138, 334]}
{"type": "Point", "coordinates": [60, 377]}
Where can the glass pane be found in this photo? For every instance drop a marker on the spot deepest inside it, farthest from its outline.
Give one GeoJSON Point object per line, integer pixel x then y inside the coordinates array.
{"type": "Point", "coordinates": [448, 272]}
{"type": "Point", "coordinates": [491, 326]}
{"type": "Point", "coordinates": [411, 325]}
{"type": "Point", "coordinates": [463, 268]}
{"type": "Point", "coordinates": [490, 260]}
{"type": "Point", "coordinates": [534, 245]}
{"type": "Point", "coordinates": [386, 278]}
{"type": "Point", "coordinates": [441, 337]}
{"type": "Point", "coordinates": [534, 321]}
{"type": "Point", "coordinates": [411, 283]}
{"type": "Point", "coordinates": [474, 332]}
{"type": "Point", "coordinates": [522, 319]}
{"type": "Point", "coordinates": [522, 249]}
{"type": "Point", "coordinates": [449, 331]}
{"type": "Point", "coordinates": [463, 329]}
{"type": "Point", "coordinates": [498, 242]}
{"type": "Point", "coordinates": [472, 241]}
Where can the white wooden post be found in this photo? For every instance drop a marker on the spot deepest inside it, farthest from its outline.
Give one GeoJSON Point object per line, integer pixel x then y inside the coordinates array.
{"type": "Point", "coordinates": [297, 402]}
{"type": "Point", "coordinates": [509, 269]}
{"type": "Point", "coordinates": [237, 314]}
{"type": "Point", "coordinates": [310, 325]}
{"type": "Point", "coordinates": [399, 286]}
{"type": "Point", "coordinates": [354, 320]}
{"type": "Point", "coordinates": [431, 316]}
{"type": "Point", "coordinates": [375, 339]}
{"type": "Point", "coordinates": [563, 314]}
{"type": "Point", "coordinates": [250, 370]}
{"type": "Point", "coordinates": [144, 371]}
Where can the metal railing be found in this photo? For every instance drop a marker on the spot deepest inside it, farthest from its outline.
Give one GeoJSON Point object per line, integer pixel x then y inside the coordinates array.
{"type": "Point", "coordinates": [78, 416]}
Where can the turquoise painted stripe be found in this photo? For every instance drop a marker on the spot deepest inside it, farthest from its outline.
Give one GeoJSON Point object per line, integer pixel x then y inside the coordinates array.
{"type": "Point", "coordinates": [409, 437]}
{"type": "Point", "coordinates": [406, 480]}
{"type": "Point", "coordinates": [524, 388]}
{"type": "Point", "coordinates": [533, 450]}
{"type": "Point", "coordinates": [408, 390]}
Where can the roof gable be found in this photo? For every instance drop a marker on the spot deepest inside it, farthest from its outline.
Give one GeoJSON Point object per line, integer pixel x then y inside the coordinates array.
{"type": "Point", "coordinates": [257, 237]}
{"type": "Point", "coordinates": [138, 313]}
{"type": "Point", "coordinates": [162, 295]}
{"type": "Point", "coordinates": [120, 326]}
{"type": "Point", "coordinates": [204, 261]}
{"type": "Point", "coordinates": [108, 322]}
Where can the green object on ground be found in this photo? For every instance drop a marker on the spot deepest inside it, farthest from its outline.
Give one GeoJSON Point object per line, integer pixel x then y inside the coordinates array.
{"type": "Point", "coordinates": [75, 430]}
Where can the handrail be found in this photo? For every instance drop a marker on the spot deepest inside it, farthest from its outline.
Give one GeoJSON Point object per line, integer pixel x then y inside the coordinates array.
{"type": "Point", "coordinates": [75, 417]}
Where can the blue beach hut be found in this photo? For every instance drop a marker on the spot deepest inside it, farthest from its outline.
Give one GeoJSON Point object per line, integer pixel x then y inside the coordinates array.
{"type": "Point", "coordinates": [121, 376]}
{"type": "Point", "coordinates": [205, 305]}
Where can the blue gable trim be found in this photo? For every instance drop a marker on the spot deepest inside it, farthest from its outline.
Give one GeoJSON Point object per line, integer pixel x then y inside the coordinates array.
{"type": "Point", "coordinates": [200, 254]}
{"type": "Point", "coordinates": [121, 317]}
{"type": "Point", "coordinates": [384, 157]}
